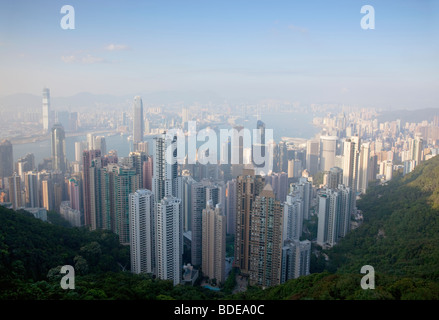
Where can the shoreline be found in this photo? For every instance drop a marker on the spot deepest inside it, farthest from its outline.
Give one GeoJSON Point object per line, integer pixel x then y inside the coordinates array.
{"type": "Point", "coordinates": [25, 140]}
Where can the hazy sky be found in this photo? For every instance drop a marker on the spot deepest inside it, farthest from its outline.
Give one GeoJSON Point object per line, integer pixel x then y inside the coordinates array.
{"type": "Point", "coordinates": [309, 51]}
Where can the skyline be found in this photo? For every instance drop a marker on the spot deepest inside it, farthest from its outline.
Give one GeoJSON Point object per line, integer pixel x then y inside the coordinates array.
{"type": "Point", "coordinates": [311, 52]}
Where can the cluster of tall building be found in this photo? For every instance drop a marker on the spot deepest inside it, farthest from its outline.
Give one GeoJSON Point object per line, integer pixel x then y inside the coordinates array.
{"type": "Point", "coordinates": [172, 213]}
{"type": "Point", "coordinates": [267, 227]}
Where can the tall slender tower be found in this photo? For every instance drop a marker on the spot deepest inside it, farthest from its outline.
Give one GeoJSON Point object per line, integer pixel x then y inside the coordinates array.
{"type": "Point", "coordinates": [169, 237]}
{"type": "Point", "coordinates": [363, 167]}
{"type": "Point", "coordinates": [138, 124]}
{"type": "Point", "coordinates": [15, 191]}
{"type": "Point", "coordinates": [231, 206]}
{"type": "Point", "coordinates": [31, 189]}
{"type": "Point", "coordinates": [266, 240]}
{"type": "Point", "coordinates": [100, 144]}
{"type": "Point", "coordinates": [198, 201]}
{"type": "Point", "coordinates": [74, 193]}
{"type": "Point", "coordinates": [312, 156]}
{"type": "Point", "coordinates": [328, 147]}
{"type": "Point", "coordinates": [147, 173]}
{"type": "Point", "coordinates": [46, 110]}
{"type": "Point", "coordinates": [350, 162]}
{"type": "Point", "coordinates": [350, 166]}
{"type": "Point", "coordinates": [214, 243]}
{"type": "Point", "coordinates": [334, 215]}
{"type": "Point", "coordinates": [142, 231]}
{"type": "Point", "coordinates": [165, 167]}
{"type": "Point", "coordinates": [248, 186]}
{"type": "Point", "coordinates": [293, 217]}
{"type": "Point", "coordinates": [87, 157]}
{"type": "Point", "coordinates": [416, 150]}
{"type": "Point", "coordinates": [59, 148]}
{"type": "Point", "coordinates": [6, 161]}
{"type": "Point", "coordinates": [327, 230]}
{"type": "Point", "coordinates": [125, 181]}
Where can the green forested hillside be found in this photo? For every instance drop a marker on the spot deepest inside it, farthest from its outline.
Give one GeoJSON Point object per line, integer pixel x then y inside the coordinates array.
{"type": "Point", "coordinates": [400, 234]}
{"type": "Point", "coordinates": [32, 253]}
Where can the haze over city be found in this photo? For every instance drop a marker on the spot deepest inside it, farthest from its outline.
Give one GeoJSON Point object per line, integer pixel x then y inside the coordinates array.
{"type": "Point", "coordinates": [312, 52]}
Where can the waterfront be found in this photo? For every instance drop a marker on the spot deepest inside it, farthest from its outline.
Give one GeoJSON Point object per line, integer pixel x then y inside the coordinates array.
{"type": "Point", "coordinates": [295, 125]}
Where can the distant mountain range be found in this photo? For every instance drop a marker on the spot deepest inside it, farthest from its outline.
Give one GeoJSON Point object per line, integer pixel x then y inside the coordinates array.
{"type": "Point", "coordinates": [411, 116]}
{"type": "Point", "coordinates": [22, 101]}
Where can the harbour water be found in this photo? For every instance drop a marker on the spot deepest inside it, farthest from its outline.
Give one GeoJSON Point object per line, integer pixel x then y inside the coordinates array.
{"type": "Point", "coordinates": [295, 125]}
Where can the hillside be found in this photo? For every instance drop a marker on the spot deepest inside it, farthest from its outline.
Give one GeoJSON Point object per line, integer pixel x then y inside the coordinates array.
{"type": "Point", "coordinates": [32, 253]}
{"type": "Point", "coordinates": [400, 234]}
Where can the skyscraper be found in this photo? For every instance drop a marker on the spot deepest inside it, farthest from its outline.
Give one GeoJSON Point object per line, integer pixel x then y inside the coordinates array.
{"type": "Point", "coordinates": [186, 200]}
{"type": "Point", "coordinates": [388, 169]}
{"type": "Point", "coordinates": [25, 164]}
{"type": "Point", "coordinates": [282, 157]}
{"type": "Point", "coordinates": [47, 194]}
{"type": "Point", "coordinates": [91, 141]}
{"type": "Point", "coordinates": [59, 160]}
{"type": "Point", "coordinates": [292, 217]}
{"type": "Point", "coordinates": [312, 156]}
{"type": "Point", "coordinates": [165, 168]}
{"type": "Point", "coordinates": [80, 146]}
{"type": "Point", "coordinates": [142, 231]}
{"type": "Point", "coordinates": [327, 218]}
{"type": "Point", "coordinates": [198, 194]}
{"type": "Point", "coordinates": [363, 167]}
{"type": "Point", "coordinates": [334, 178]}
{"type": "Point", "coordinates": [87, 157]}
{"type": "Point", "coordinates": [136, 160]}
{"type": "Point", "coordinates": [201, 193]}
{"type": "Point", "coordinates": [304, 187]}
{"type": "Point", "coordinates": [46, 110]}
{"type": "Point", "coordinates": [74, 187]}
{"type": "Point", "coordinates": [328, 147]}
{"type": "Point", "coordinates": [350, 162]}
{"type": "Point", "coordinates": [213, 243]}
{"type": "Point", "coordinates": [184, 115]}
{"type": "Point", "coordinates": [6, 161]}
{"type": "Point", "coordinates": [125, 181]}
{"type": "Point", "coordinates": [350, 166]}
{"type": "Point", "coordinates": [143, 146]}
{"type": "Point", "coordinates": [31, 189]}
{"type": "Point", "coordinates": [97, 192]}
{"type": "Point", "coordinates": [147, 173]}
{"type": "Point", "coordinates": [100, 144]}
{"type": "Point", "coordinates": [266, 240]}
{"type": "Point", "coordinates": [416, 150]}
{"type": "Point", "coordinates": [248, 187]}
{"type": "Point", "coordinates": [138, 124]}
{"type": "Point", "coordinates": [296, 257]}
{"type": "Point", "coordinates": [169, 240]}
{"type": "Point", "coordinates": [14, 183]}
{"type": "Point", "coordinates": [231, 206]}
{"type": "Point", "coordinates": [279, 183]}
{"type": "Point", "coordinates": [346, 201]}
{"type": "Point", "coordinates": [259, 147]}
{"type": "Point", "coordinates": [335, 207]}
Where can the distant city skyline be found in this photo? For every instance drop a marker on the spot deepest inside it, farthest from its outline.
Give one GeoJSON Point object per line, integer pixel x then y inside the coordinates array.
{"type": "Point", "coordinates": [313, 52]}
